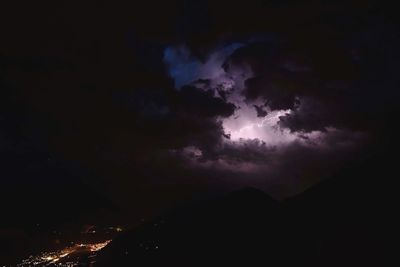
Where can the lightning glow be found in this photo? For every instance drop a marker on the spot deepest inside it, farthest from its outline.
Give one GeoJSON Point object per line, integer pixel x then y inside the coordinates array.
{"type": "Point", "coordinates": [251, 127]}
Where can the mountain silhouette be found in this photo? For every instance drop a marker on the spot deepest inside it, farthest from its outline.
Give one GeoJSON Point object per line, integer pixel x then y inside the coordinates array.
{"type": "Point", "coordinates": [343, 221]}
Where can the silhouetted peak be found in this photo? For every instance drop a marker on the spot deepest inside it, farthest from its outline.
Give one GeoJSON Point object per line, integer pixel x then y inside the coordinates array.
{"type": "Point", "coordinates": [249, 192]}
{"type": "Point", "coordinates": [250, 196]}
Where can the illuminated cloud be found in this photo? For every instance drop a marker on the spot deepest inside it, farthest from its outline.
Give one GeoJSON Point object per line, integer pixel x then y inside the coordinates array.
{"type": "Point", "coordinates": [260, 140]}
{"type": "Point", "coordinates": [228, 83]}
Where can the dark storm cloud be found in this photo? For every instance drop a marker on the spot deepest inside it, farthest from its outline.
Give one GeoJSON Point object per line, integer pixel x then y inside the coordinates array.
{"type": "Point", "coordinates": [333, 83]}
{"type": "Point", "coordinates": [275, 93]}
{"type": "Point", "coordinates": [203, 103]}
{"type": "Point", "coordinates": [310, 115]}
{"type": "Point", "coordinates": [260, 111]}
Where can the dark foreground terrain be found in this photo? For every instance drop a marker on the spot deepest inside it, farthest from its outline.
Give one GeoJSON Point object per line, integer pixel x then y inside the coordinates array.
{"type": "Point", "coordinates": [344, 221]}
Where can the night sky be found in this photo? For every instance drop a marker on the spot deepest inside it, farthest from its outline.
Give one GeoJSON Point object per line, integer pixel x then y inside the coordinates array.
{"type": "Point", "coordinates": [119, 111]}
